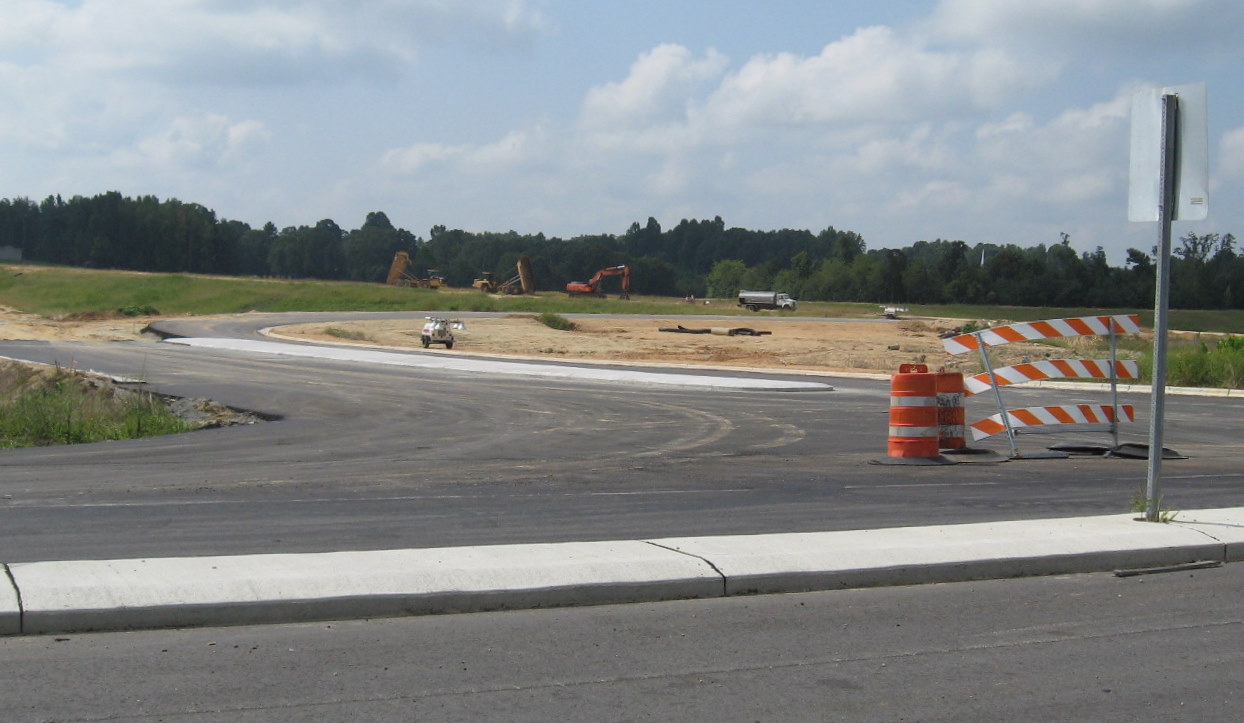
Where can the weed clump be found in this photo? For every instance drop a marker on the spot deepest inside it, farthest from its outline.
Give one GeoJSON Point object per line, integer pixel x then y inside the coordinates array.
{"type": "Point", "coordinates": [346, 334]}
{"type": "Point", "coordinates": [43, 406]}
{"type": "Point", "coordinates": [556, 321]}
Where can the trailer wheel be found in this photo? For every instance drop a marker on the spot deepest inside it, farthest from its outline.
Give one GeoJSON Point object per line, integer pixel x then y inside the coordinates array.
{"type": "Point", "coordinates": [753, 307]}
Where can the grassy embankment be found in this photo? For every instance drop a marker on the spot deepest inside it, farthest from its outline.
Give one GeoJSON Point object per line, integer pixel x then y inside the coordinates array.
{"type": "Point", "coordinates": [57, 291]}
{"type": "Point", "coordinates": [42, 406]}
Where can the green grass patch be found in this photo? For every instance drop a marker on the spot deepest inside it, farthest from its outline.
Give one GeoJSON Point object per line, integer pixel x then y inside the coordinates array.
{"type": "Point", "coordinates": [42, 406]}
{"type": "Point", "coordinates": [556, 321]}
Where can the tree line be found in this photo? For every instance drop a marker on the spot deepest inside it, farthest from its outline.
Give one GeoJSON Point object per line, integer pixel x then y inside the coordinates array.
{"type": "Point", "coordinates": [696, 257]}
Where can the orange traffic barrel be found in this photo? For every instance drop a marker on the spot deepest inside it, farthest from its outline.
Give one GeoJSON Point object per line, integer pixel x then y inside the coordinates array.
{"type": "Point", "coordinates": [913, 413]}
{"type": "Point", "coordinates": [951, 420]}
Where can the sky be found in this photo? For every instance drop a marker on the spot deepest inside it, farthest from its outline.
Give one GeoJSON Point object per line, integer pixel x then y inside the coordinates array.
{"type": "Point", "coordinates": [987, 121]}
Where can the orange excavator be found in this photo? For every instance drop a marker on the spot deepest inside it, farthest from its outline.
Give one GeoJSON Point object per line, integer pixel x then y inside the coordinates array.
{"type": "Point", "coordinates": [591, 287]}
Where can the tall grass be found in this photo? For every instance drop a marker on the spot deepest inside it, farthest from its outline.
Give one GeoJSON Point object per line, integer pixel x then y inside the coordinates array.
{"type": "Point", "coordinates": [1202, 364]}
{"type": "Point", "coordinates": [41, 408]}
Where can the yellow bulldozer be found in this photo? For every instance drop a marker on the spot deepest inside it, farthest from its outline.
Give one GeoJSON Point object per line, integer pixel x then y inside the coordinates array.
{"type": "Point", "coordinates": [398, 276]}
{"type": "Point", "coordinates": [522, 283]}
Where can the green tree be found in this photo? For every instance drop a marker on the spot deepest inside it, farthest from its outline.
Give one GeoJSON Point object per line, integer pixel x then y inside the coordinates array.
{"type": "Point", "coordinates": [726, 278]}
{"type": "Point", "coordinates": [369, 250]}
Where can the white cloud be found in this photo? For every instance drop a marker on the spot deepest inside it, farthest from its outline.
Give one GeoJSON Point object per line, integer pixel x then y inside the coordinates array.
{"type": "Point", "coordinates": [1078, 156]}
{"type": "Point", "coordinates": [240, 43]}
{"type": "Point", "coordinates": [210, 140]}
{"type": "Point", "coordinates": [659, 86]}
{"type": "Point", "coordinates": [414, 158]}
{"type": "Point", "coordinates": [874, 76]}
{"type": "Point", "coordinates": [514, 149]}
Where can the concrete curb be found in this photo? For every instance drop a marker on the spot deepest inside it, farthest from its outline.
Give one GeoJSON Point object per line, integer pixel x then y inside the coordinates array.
{"type": "Point", "coordinates": [272, 332]}
{"type": "Point", "coordinates": [801, 562]}
{"type": "Point", "coordinates": [74, 596]}
{"type": "Point", "coordinates": [470, 365]}
{"type": "Point", "coordinates": [252, 589]}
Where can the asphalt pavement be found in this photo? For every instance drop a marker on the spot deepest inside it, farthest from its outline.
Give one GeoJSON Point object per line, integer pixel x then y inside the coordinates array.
{"type": "Point", "coordinates": [97, 595]}
{"type": "Point", "coordinates": [157, 592]}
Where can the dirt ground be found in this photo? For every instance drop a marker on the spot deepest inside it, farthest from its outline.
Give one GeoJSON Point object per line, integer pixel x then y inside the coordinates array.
{"type": "Point", "coordinates": [87, 327]}
{"type": "Point", "coordinates": [861, 345]}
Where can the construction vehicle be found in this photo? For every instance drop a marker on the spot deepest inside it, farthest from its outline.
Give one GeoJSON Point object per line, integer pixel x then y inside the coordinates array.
{"type": "Point", "coordinates": [756, 300]}
{"type": "Point", "coordinates": [439, 331]}
{"type": "Point", "coordinates": [591, 287]}
{"type": "Point", "coordinates": [522, 283]}
{"type": "Point", "coordinates": [398, 276]}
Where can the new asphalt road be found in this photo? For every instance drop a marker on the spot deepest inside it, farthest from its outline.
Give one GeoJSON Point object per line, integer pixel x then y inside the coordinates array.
{"type": "Point", "coordinates": [362, 456]}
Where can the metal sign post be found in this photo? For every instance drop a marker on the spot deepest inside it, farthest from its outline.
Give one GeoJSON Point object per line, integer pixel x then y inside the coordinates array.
{"type": "Point", "coordinates": [1114, 381]}
{"type": "Point", "coordinates": [1174, 119]}
{"type": "Point", "coordinates": [1166, 210]}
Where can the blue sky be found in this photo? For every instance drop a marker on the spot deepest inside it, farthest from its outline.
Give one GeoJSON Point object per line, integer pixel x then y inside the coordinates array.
{"type": "Point", "coordinates": [1003, 121]}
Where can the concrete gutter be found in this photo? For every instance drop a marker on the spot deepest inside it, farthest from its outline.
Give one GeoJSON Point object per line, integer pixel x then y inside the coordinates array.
{"type": "Point", "coordinates": [69, 596]}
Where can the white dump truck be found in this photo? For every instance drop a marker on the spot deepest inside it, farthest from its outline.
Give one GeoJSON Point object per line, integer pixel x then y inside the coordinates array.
{"type": "Point", "coordinates": [757, 300]}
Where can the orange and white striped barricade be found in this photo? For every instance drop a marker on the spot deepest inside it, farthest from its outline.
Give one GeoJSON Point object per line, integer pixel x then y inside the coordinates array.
{"type": "Point", "coordinates": [1052, 369]}
{"type": "Point", "coordinates": [1063, 414]}
{"type": "Point", "coordinates": [914, 430]}
{"type": "Point", "coordinates": [1112, 369]}
{"type": "Point", "coordinates": [1048, 329]}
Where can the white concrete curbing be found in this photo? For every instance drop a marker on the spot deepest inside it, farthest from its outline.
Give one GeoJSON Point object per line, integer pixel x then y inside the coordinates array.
{"type": "Point", "coordinates": [249, 589]}
{"type": "Point", "coordinates": [76, 596]}
{"type": "Point", "coordinates": [799, 562]}
{"type": "Point", "coordinates": [1224, 525]}
{"type": "Point", "coordinates": [487, 366]}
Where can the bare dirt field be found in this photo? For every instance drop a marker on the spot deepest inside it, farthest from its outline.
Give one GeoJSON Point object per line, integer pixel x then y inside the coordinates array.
{"type": "Point", "coordinates": [857, 345]}
{"type": "Point", "coordinates": [830, 345]}
{"type": "Point", "coordinates": [89, 327]}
